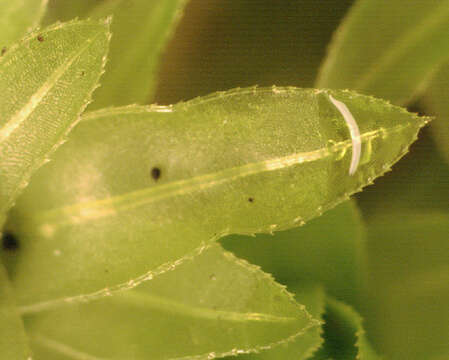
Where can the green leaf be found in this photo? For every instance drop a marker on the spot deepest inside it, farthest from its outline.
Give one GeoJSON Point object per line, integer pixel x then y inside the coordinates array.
{"type": "Point", "coordinates": [113, 203]}
{"type": "Point", "coordinates": [305, 344]}
{"type": "Point", "coordinates": [213, 306]}
{"type": "Point", "coordinates": [437, 100]}
{"type": "Point", "coordinates": [344, 335]}
{"type": "Point", "coordinates": [409, 283]}
{"type": "Point", "coordinates": [13, 341]}
{"type": "Point", "coordinates": [141, 30]}
{"type": "Point", "coordinates": [388, 49]}
{"type": "Point", "coordinates": [46, 81]}
{"type": "Point", "coordinates": [18, 17]}
{"type": "Point", "coordinates": [328, 250]}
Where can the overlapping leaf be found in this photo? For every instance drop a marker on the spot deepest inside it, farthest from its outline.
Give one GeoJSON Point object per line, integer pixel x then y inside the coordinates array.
{"type": "Point", "coordinates": [245, 161]}
{"type": "Point", "coordinates": [18, 17]}
{"type": "Point", "coordinates": [387, 49]}
{"type": "Point", "coordinates": [13, 341]}
{"type": "Point", "coordinates": [46, 81]}
{"type": "Point", "coordinates": [305, 344]}
{"type": "Point", "coordinates": [328, 250]}
{"type": "Point", "coordinates": [344, 335]}
{"type": "Point", "coordinates": [214, 306]}
{"type": "Point", "coordinates": [141, 29]}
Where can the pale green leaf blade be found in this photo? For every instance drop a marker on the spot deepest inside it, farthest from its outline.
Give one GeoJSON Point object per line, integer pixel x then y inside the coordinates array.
{"type": "Point", "coordinates": [46, 81]}
{"type": "Point", "coordinates": [18, 17]}
{"type": "Point", "coordinates": [344, 334]}
{"type": "Point", "coordinates": [437, 100]}
{"type": "Point", "coordinates": [213, 306]}
{"type": "Point", "coordinates": [387, 48]}
{"type": "Point", "coordinates": [329, 250]}
{"type": "Point", "coordinates": [305, 344]}
{"type": "Point", "coordinates": [112, 204]}
{"type": "Point", "coordinates": [13, 341]}
{"type": "Point", "coordinates": [141, 30]}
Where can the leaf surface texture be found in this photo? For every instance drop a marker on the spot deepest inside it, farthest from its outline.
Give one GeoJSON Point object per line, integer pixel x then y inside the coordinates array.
{"type": "Point", "coordinates": [213, 306]}
{"type": "Point", "coordinates": [46, 81]}
{"type": "Point", "coordinates": [163, 182]}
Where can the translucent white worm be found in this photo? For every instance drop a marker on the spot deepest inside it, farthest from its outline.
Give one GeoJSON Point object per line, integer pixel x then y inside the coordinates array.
{"type": "Point", "coordinates": [355, 133]}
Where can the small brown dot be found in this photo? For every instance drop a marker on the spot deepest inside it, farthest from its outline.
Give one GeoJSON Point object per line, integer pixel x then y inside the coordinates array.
{"type": "Point", "coordinates": [3, 50]}
{"type": "Point", "coordinates": [155, 173]}
{"type": "Point", "coordinates": [251, 199]}
{"type": "Point", "coordinates": [83, 73]}
{"type": "Point", "coordinates": [40, 38]}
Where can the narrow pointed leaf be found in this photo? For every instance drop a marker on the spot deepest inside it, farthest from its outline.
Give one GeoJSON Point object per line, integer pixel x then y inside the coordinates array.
{"type": "Point", "coordinates": [46, 81]}
{"type": "Point", "coordinates": [305, 344]}
{"type": "Point", "coordinates": [18, 17]}
{"type": "Point", "coordinates": [207, 308]}
{"type": "Point", "coordinates": [13, 341]}
{"type": "Point", "coordinates": [136, 189]}
{"type": "Point", "coordinates": [141, 29]}
{"type": "Point", "coordinates": [388, 49]}
{"type": "Point", "coordinates": [344, 335]}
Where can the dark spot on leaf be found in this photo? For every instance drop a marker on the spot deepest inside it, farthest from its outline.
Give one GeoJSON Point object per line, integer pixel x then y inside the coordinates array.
{"type": "Point", "coordinates": [10, 242]}
{"type": "Point", "coordinates": [3, 50]}
{"type": "Point", "coordinates": [155, 173]}
{"type": "Point", "coordinates": [40, 38]}
{"type": "Point", "coordinates": [83, 73]}
{"type": "Point", "coordinates": [251, 199]}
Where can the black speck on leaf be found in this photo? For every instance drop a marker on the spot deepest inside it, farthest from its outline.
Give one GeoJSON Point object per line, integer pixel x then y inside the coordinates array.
{"type": "Point", "coordinates": [83, 73]}
{"type": "Point", "coordinates": [3, 51]}
{"type": "Point", "coordinates": [10, 242]}
{"type": "Point", "coordinates": [40, 38]}
{"type": "Point", "coordinates": [251, 199]}
{"type": "Point", "coordinates": [155, 173]}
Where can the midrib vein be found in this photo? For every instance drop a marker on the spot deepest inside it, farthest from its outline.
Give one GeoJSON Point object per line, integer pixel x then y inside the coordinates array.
{"type": "Point", "coordinates": [87, 211]}
{"type": "Point", "coordinates": [20, 116]}
{"type": "Point", "coordinates": [400, 46]}
{"type": "Point", "coordinates": [146, 300]}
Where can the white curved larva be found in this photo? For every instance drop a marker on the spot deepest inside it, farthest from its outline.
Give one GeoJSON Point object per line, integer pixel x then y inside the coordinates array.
{"type": "Point", "coordinates": [355, 133]}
